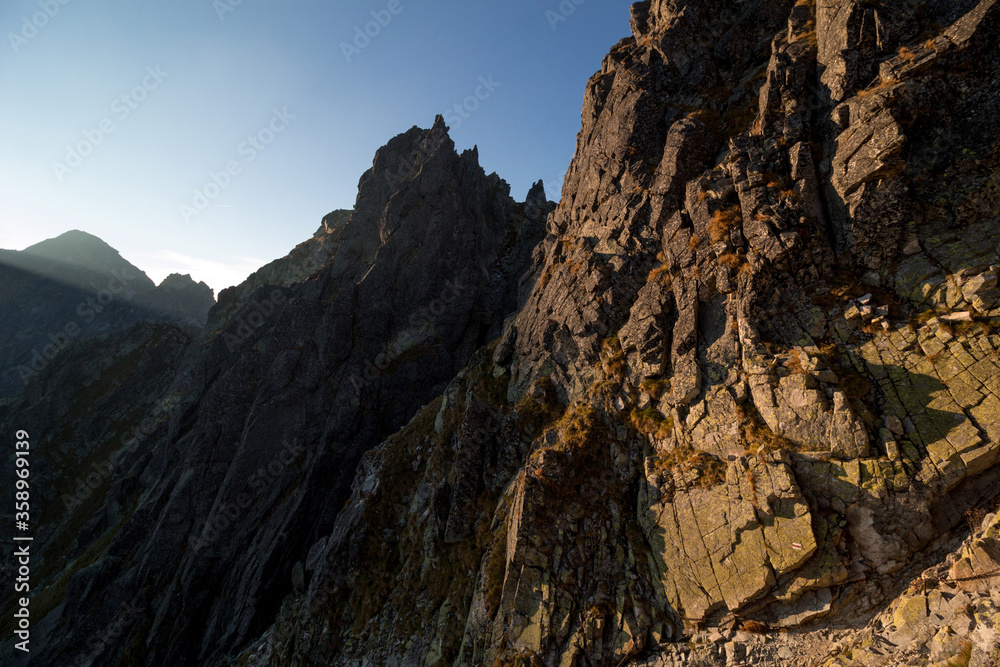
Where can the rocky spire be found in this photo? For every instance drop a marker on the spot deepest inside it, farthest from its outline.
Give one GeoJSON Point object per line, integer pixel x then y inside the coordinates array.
{"type": "Point", "coordinates": [405, 296]}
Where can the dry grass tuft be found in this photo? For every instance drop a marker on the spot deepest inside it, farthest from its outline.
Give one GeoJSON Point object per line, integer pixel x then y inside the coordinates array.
{"type": "Point", "coordinates": [710, 470]}
{"type": "Point", "coordinates": [754, 627]}
{"type": "Point", "coordinates": [613, 358]}
{"type": "Point", "coordinates": [732, 260]}
{"type": "Point", "coordinates": [777, 181]}
{"type": "Point", "coordinates": [652, 423]}
{"type": "Point", "coordinates": [655, 387]}
{"type": "Point", "coordinates": [964, 657]}
{"type": "Point", "coordinates": [662, 273]}
{"type": "Point", "coordinates": [794, 365]}
{"type": "Point", "coordinates": [882, 84]}
{"type": "Point", "coordinates": [757, 436]}
{"type": "Point", "coordinates": [723, 222]}
{"type": "Point", "coordinates": [580, 427]}
{"type": "Point", "coordinates": [809, 36]}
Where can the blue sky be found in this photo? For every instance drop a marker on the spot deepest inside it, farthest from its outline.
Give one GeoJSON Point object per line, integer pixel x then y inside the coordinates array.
{"type": "Point", "coordinates": [113, 114]}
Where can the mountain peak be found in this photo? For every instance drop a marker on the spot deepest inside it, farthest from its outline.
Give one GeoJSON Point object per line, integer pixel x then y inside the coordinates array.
{"type": "Point", "coordinates": [70, 245]}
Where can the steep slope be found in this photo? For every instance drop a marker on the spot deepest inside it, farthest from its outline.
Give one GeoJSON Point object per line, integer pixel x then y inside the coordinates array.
{"type": "Point", "coordinates": [754, 376]}
{"type": "Point", "coordinates": [98, 400]}
{"type": "Point", "coordinates": [949, 614]}
{"type": "Point", "coordinates": [253, 462]}
{"type": "Point", "coordinates": [97, 403]}
{"type": "Point", "coordinates": [73, 287]}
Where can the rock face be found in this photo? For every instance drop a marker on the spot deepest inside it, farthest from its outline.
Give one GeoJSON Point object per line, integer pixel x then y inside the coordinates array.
{"type": "Point", "coordinates": [950, 613]}
{"type": "Point", "coordinates": [260, 429]}
{"type": "Point", "coordinates": [99, 401]}
{"type": "Point", "coordinates": [74, 287]}
{"type": "Point", "coordinates": [183, 300]}
{"type": "Point", "coordinates": [745, 376]}
{"type": "Point", "coordinates": [753, 375]}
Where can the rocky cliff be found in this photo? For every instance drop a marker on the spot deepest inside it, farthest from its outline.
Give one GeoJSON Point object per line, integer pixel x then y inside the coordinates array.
{"type": "Point", "coordinates": [730, 401]}
{"type": "Point", "coordinates": [754, 380]}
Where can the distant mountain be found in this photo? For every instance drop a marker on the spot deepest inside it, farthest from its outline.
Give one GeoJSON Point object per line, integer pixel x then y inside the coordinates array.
{"type": "Point", "coordinates": [181, 299]}
{"type": "Point", "coordinates": [76, 286]}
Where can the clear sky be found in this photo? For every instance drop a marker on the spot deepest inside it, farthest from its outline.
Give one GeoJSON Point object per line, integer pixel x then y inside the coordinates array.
{"type": "Point", "coordinates": [114, 113]}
